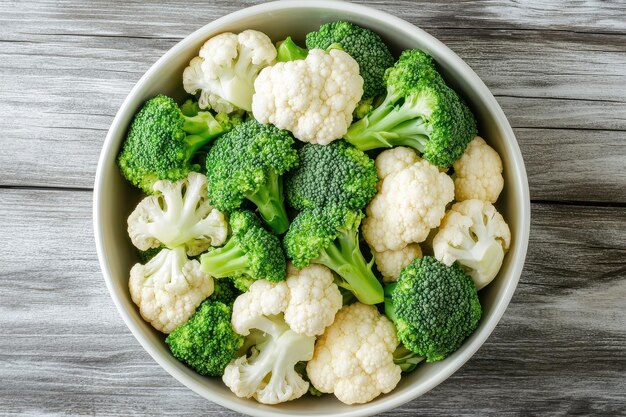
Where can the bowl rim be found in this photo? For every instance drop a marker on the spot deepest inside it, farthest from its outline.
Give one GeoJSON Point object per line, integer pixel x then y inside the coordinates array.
{"type": "Point", "coordinates": [108, 153]}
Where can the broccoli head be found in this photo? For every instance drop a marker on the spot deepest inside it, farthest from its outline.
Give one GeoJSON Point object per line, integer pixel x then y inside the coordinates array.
{"type": "Point", "coordinates": [365, 46]}
{"type": "Point", "coordinates": [251, 250]}
{"type": "Point", "coordinates": [419, 111]}
{"type": "Point", "coordinates": [224, 291]}
{"type": "Point", "coordinates": [434, 307]}
{"type": "Point", "coordinates": [162, 142]}
{"type": "Point", "coordinates": [248, 163]}
{"type": "Point", "coordinates": [207, 342]}
{"type": "Point", "coordinates": [329, 236]}
{"type": "Point", "coordinates": [337, 173]}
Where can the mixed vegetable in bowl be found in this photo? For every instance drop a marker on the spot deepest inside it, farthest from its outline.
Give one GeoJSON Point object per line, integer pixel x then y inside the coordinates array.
{"type": "Point", "coordinates": [315, 219]}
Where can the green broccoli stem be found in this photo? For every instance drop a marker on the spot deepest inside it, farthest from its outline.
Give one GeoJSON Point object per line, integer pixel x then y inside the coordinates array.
{"type": "Point", "coordinates": [270, 201]}
{"type": "Point", "coordinates": [389, 310]}
{"type": "Point", "coordinates": [406, 359]}
{"type": "Point", "coordinates": [345, 258]}
{"type": "Point", "coordinates": [288, 50]}
{"type": "Point", "coordinates": [389, 125]}
{"type": "Point", "coordinates": [201, 129]}
{"type": "Point", "coordinates": [227, 261]}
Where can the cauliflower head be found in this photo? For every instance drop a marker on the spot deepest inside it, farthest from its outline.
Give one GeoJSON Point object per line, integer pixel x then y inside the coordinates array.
{"type": "Point", "coordinates": [308, 298]}
{"type": "Point", "coordinates": [391, 262]}
{"type": "Point", "coordinates": [411, 201]}
{"type": "Point", "coordinates": [354, 357]}
{"type": "Point", "coordinates": [169, 288]}
{"type": "Point", "coordinates": [179, 214]}
{"type": "Point", "coordinates": [476, 236]}
{"type": "Point", "coordinates": [267, 370]}
{"type": "Point", "coordinates": [478, 173]}
{"type": "Point", "coordinates": [393, 160]}
{"type": "Point", "coordinates": [314, 299]}
{"type": "Point", "coordinates": [313, 97]}
{"type": "Point", "coordinates": [225, 70]}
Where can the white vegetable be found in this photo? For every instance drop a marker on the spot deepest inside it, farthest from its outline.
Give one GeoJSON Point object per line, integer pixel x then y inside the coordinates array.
{"type": "Point", "coordinates": [393, 160]}
{"type": "Point", "coordinates": [476, 236]}
{"type": "Point", "coordinates": [169, 288]}
{"type": "Point", "coordinates": [226, 68]}
{"type": "Point", "coordinates": [313, 98]}
{"type": "Point", "coordinates": [411, 201]}
{"type": "Point", "coordinates": [354, 357]}
{"type": "Point", "coordinates": [478, 173]}
{"type": "Point", "coordinates": [309, 300]}
{"type": "Point", "coordinates": [391, 262]}
{"type": "Point", "coordinates": [314, 299]}
{"type": "Point", "coordinates": [178, 215]}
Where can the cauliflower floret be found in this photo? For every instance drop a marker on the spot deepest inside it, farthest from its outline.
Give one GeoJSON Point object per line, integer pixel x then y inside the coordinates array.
{"type": "Point", "coordinates": [391, 262]}
{"type": "Point", "coordinates": [478, 173]}
{"type": "Point", "coordinates": [411, 201]}
{"type": "Point", "coordinates": [313, 97]}
{"type": "Point", "coordinates": [476, 236]}
{"type": "Point", "coordinates": [169, 288]}
{"type": "Point", "coordinates": [179, 214]}
{"type": "Point", "coordinates": [225, 70]}
{"type": "Point", "coordinates": [393, 160]}
{"type": "Point", "coordinates": [309, 300]}
{"type": "Point", "coordinates": [354, 357]}
{"type": "Point", "coordinates": [314, 299]}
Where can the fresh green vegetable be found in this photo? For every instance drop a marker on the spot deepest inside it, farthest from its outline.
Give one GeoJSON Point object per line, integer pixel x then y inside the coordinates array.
{"type": "Point", "coordinates": [405, 359]}
{"type": "Point", "coordinates": [365, 46]}
{"type": "Point", "coordinates": [330, 236]}
{"type": "Point", "coordinates": [162, 142]}
{"type": "Point", "coordinates": [337, 173]}
{"type": "Point", "coordinates": [190, 108]}
{"type": "Point", "coordinates": [251, 250]}
{"type": "Point", "coordinates": [434, 307]}
{"type": "Point", "coordinates": [207, 342]}
{"type": "Point", "coordinates": [248, 163]}
{"type": "Point", "coordinates": [224, 291]}
{"type": "Point", "coordinates": [419, 111]}
{"type": "Point", "coordinates": [242, 282]}
{"type": "Point", "coordinates": [288, 50]}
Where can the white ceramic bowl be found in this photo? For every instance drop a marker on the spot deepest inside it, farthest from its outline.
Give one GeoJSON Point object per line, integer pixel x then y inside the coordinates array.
{"type": "Point", "coordinates": [114, 198]}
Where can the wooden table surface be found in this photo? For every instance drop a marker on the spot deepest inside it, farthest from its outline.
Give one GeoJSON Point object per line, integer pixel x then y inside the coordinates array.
{"type": "Point", "coordinates": [558, 69]}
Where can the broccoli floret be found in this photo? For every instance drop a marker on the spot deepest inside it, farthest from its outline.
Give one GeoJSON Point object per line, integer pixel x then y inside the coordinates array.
{"type": "Point", "coordinates": [230, 120]}
{"type": "Point", "coordinates": [242, 282]}
{"type": "Point", "coordinates": [434, 307]}
{"type": "Point", "coordinates": [251, 250]}
{"type": "Point", "coordinates": [419, 111]}
{"type": "Point", "coordinates": [337, 173]}
{"type": "Point", "coordinates": [162, 141]}
{"type": "Point", "coordinates": [363, 108]}
{"type": "Point", "coordinates": [207, 342]}
{"type": "Point", "coordinates": [330, 236]}
{"type": "Point", "coordinates": [288, 50]}
{"type": "Point", "coordinates": [248, 162]}
{"type": "Point", "coordinates": [190, 108]}
{"type": "Point", "coordinates": [365, 46]}
{"type": "Point", "coordinates": [224, 291]}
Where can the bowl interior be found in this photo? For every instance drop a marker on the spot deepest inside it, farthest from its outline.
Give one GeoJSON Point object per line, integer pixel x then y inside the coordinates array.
{"type": "Point", "coordinates": [114, 198]}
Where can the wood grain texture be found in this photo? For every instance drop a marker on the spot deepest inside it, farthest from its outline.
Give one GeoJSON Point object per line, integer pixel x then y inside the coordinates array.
{"type": "Point", "coordinates": [560, 348]}
{"type": "Point", "coordinates": [557, 68]}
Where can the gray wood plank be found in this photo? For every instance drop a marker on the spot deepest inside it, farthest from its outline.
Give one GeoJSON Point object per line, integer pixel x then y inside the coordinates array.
{"type": "Point", "coordinates": [559, 350]}
{"type": "Point", "coordinates": [548, 71]}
